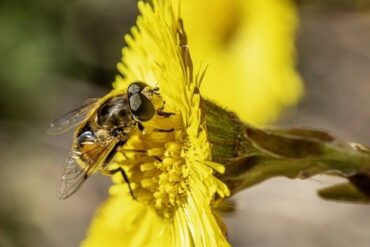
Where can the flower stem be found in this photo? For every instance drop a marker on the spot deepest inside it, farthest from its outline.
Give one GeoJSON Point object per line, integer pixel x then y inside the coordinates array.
{"type": "Point", "coordinates": [252, 155]}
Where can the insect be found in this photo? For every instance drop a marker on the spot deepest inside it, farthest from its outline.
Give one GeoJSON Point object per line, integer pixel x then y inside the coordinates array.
{"type": "Point", "coordinates": [103, 127]}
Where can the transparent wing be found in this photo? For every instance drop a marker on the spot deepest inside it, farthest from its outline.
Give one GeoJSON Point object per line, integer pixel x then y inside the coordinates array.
{"type": "Point", "coordinates": [72, 118]}
{"type": "Point", "coordinates": [74, 175]}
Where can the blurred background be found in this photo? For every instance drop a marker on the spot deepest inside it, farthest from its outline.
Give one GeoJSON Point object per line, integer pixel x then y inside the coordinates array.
{"type": "Point", "coordinates": [55, 54]}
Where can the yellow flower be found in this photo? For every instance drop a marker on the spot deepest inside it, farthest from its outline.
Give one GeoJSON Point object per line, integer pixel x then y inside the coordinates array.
{"type": "Point", "coordinates": [185, 164]}
{"type": "Point", "coordinates": [249, 46]}
{"type": "Point", "coordinates": [173, 181]}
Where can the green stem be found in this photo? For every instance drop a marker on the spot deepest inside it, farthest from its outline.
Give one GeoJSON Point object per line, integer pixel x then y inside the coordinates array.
{"type": "Point", "coordinates": [252, 155]}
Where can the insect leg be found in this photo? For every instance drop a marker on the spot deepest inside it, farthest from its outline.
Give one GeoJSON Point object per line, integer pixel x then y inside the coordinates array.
{"type": "Point", "coordinates": [164, 114]}
{"type": "Point", "coordinates": [157, 158]}
{"type": "Point", "coordinates": [164, 130]}
{"type": "Point", "coordinates": [125, 177]}
{"type": "Point", "coordinates": [154, 91]}
{"type": "Point", "coordinates": [138, 151]}
{"type": "Point", "coordinates": [140, 126]}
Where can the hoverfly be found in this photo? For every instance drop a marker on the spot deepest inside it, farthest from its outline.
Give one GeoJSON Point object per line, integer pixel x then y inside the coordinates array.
{"type": "Point", "coordinates": [104, 125]}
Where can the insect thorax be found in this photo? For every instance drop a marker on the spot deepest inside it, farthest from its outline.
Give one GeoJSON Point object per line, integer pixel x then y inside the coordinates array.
{"type": "Point", "coordinates": [115, 113]}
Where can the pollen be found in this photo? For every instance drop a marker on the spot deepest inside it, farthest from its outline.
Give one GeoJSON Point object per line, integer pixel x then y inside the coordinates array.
{"type": "Point", "coordinates": [154, 159]}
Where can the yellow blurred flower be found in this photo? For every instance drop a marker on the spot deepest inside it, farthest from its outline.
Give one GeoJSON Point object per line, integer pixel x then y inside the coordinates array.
{"type": "Point", "coordinates": [249, 46]}
{"type": "Point", "coordinates": [173, 181]}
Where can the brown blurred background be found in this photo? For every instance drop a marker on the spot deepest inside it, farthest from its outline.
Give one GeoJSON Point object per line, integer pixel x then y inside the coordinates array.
{"type": "Point", "coordinates": [55, 54]}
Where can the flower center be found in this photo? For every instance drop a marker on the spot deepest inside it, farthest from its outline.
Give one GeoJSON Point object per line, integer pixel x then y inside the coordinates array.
{"type": "Point", "coordinates": [154, 160]}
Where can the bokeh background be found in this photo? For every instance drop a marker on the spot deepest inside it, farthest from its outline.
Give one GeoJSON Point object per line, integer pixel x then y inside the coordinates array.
{"type": "Point", "coordinates": [55, 54]}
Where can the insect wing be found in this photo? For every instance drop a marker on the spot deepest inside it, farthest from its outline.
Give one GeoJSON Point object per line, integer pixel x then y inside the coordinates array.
{"type": "Point", "coordinates": [73, 175]}
{"type": "Point", "coordinates": [72, 118]}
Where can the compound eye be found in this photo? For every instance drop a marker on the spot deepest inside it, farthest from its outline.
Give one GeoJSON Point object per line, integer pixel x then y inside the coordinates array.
{"type": "Point", "coordinates": [141, 107]}
{"type": "Point", "coordinates": [136, 87]}
{"type": "Point", "coordinates": [86, 137]}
